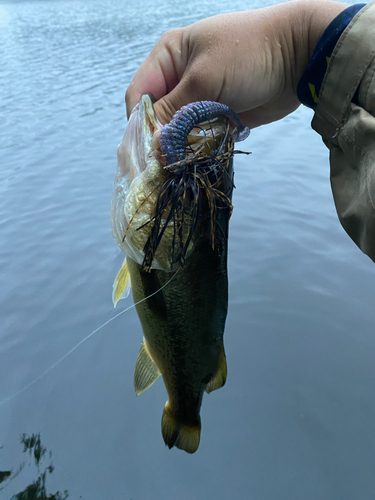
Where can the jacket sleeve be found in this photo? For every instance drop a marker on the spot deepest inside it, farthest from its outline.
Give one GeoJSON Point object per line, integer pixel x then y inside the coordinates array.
{"type": "Point", "coordinates": [348, 128]}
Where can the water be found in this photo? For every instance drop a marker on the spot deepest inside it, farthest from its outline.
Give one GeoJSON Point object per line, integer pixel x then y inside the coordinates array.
{"type": "Point", "coordinates": [296, 419]}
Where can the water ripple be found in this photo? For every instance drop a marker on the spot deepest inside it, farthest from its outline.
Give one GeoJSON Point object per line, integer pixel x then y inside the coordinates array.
{"type": "Point", "coordinates": [299, 336]}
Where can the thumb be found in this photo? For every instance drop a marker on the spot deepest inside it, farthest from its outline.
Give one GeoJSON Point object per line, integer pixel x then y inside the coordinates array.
{"type": "Point", "coordinates": [168, 105]}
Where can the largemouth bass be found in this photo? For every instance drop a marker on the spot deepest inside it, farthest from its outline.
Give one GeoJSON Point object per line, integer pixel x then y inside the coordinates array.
{"type": "Point", "coordinates": [170, 215]}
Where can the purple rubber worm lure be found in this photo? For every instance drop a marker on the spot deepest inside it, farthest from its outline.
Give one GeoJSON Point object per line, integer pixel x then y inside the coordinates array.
{"type": "Point", "coordinates": [173, 136]}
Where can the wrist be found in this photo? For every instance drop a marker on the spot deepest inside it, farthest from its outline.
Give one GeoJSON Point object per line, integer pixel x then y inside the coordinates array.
{"type": "Point", "coordinates": [320, 18]}
{"type": "Point", "coordinates": [308, 20]}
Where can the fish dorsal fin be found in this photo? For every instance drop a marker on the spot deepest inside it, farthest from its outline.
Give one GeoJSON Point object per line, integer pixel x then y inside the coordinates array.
{"type": "Point", "coordinates": [122, 284]}
{"type": "Point", "coordinates": [145, 372]}
{"type": "Point", "coordinates": [218, 380]}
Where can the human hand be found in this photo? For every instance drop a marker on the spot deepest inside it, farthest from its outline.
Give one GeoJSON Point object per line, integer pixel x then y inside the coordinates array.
{"type": "Point", "coordinates": [251, 61]}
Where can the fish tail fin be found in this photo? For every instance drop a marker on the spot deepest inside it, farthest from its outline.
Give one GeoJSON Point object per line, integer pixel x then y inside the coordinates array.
{"type": "Point", "coordinates": [182, 436]}
{"type": "Point", "coordinates": [122, 284]}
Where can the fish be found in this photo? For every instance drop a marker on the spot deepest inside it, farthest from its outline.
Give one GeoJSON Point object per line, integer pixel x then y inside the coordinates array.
{"type": "Point", "coordinates": [170, 215]}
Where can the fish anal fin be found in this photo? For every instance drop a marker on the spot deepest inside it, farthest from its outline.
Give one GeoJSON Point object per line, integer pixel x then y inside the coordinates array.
{"type": "Point", "coordinates": [220, 377]}
{"type": "Point", "coordinates": [122, 284]}
{"type": "Point", "coordinates": [182, 436]}
{"type": "Point", "coordinates": [145, 372]}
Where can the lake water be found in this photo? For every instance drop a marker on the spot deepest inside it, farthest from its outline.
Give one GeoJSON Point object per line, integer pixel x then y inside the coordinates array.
{"type": "Point", "coordinates": [296, 419]}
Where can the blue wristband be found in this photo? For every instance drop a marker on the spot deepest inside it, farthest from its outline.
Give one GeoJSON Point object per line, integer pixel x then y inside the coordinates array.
{"type": "Point", "coordinates": [309, 85]}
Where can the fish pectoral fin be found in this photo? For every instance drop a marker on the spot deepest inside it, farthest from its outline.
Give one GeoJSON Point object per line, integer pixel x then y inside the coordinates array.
{"type": "Point", "coordinates": [122, 284]}
{"type": "Point", "coordinates": [220, 377]}
{"type": "Point", "coordinates": [145, 372]}
{"type": "Point", "coordinates": [184, 437]}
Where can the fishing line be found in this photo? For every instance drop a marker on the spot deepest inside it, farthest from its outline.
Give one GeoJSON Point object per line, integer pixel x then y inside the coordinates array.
{"type": "Point", "coordinates": [30, 384]}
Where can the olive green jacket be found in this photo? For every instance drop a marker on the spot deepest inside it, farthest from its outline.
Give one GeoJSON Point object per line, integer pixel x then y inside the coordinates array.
{"type": "Point", "coordinates": [348, 129]}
